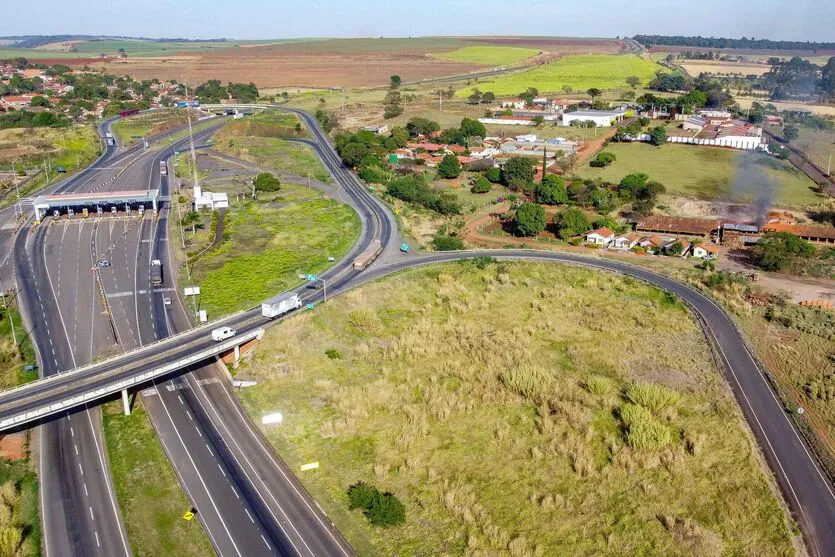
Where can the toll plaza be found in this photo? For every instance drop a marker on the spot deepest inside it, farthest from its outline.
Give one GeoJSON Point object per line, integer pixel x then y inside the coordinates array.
{"type": "Point", "coordinates": [98, 203]}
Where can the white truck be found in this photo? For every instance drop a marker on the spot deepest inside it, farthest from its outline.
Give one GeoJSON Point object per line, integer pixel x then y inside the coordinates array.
{"type": "Point", "coordinates": [281, 304]}
{"type": "Point", "coordinates": [222, 333]}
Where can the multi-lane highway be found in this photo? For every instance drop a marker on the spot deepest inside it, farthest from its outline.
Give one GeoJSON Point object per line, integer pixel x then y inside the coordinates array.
{"type": "Point", "coordinates": [223, 461]}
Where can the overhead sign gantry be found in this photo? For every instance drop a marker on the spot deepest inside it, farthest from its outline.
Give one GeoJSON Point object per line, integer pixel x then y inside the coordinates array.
{"type": "Point", "coordinates": [99, 201]}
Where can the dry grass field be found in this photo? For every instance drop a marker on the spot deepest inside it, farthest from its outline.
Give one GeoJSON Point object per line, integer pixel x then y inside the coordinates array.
{"type": "Point", "coordinates": [695, 67]}
{"type": "Point", "coordinates": [517, 409]}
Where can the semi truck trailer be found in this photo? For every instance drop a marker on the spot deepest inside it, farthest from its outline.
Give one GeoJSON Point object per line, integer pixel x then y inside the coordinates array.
{"type": "Point", "coordinates": [365, 259]}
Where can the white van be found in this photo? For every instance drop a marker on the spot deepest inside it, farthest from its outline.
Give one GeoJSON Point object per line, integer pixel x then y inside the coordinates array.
{"type": "Point", "coordinates": [222, 333]}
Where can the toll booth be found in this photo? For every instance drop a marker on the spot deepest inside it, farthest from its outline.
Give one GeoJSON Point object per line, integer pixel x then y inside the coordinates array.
{"type": "Point", "coordinates": [72, 203]}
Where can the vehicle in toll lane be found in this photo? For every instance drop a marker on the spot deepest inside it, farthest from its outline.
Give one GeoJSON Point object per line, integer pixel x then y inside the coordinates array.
{"type": "Point", "coordinates": [222, 333]}
{"type": "Point", "coordinates": [163, 168]}
{"type": "Point", "coordinates": [281, 304]}
{"type": "Point", "coordinates": [156, 272]}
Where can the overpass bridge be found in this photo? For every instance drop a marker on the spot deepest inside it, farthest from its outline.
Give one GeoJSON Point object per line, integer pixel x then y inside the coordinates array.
{"type": "Point", "coordinates": [69, 389]}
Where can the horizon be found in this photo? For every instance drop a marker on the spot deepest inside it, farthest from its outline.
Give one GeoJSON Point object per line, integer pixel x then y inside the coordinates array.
{"type": "Point", "coordinates": [260, 20]}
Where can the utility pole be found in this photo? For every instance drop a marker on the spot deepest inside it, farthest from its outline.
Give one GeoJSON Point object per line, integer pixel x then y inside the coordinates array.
{"type": "Point", "coordinates": [829, 166]}
{"type": "Point", "coordinates": [440, 100]}
{"type": "Point", "coordinates": [191, 139]}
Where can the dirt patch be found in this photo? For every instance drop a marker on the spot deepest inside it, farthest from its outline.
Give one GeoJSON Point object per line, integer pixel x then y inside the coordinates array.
{"type": "Point", "coordinates": [279, 66]}
{"type": "Point", "coordinates": [13, 446]}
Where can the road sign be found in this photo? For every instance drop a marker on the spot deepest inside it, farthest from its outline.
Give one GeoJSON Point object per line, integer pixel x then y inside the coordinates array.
{"type": "Point", "coordinates": [191, 291]}
{"type": "Point", "coordinates": [276, 418]}
{"type": "Point", "coordinates": [311, 306]}
{"type": "Point", "coordinates": [311, 277]}
{"type": "Point", "coordinates": [310, 466]}
{"type": "Point", "coordinates": [188, 515]}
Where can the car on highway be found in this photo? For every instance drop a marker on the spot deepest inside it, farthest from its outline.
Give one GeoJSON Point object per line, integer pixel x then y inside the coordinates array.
{"type": "Point", "coordinates": [222, 333]}
{"type": "Point", "coordinates": [104, 263]}
{"type": "Point", "coordinates": [166, 301]}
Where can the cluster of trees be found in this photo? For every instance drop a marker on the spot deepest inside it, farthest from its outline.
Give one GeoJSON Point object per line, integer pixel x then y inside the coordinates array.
{"type": "Point", "coordinates": [381, 509]}
{"type": "Point", "coordinates": [701, 92]}
{"type": "Point", "coordinates": [414, 189]}
{"type": "Point", "coordinates": [530, 220]}
{"type": "Point", "coordinates": [798, 77]}
{"type": "Point", "coordinates": [470, 132]}
{"type": "Point", "coordinates": [778, 251]}
{"type": "Point", "coordinates": [639, 190]}
{"type": "Point", "coordinates": [477, 97]}
{"type": "Point", "coordinates": [719, 42]}
{"type": "Point", "coordinates": [27, 119]}
{"type": "Point", "coordinates": [214, 92]}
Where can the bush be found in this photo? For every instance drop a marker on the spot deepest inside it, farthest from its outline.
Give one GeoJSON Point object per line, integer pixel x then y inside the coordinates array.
{"type": "Point", "coordinates": [571, 222]}
{"type": "Point", "coordinates": [777, 251]}
{"type": "Point", "coordinates": [449, 167]}
{"type": "Point", "coordinates": [652, 397]}
{"type": "Point", "coordinates": [530, 219]}
{"type": "Point", "coordinates": [494, 175]}
{"type": "Point", "coordinates": [381, 509]}
{"type": "Point", "coordinates": [481, 185]}
{"type": "Point", "coordinates": [603, 159]}
{"type": "Point", "coordinates": [447, 243]}
{"type": "Point", "coordinates": [266, 181]}
{"type": "Point", "coordinates": [518, 173]}
{"type": "Point", "coordinates": [333, 354]}
{"type": "Point", "coordinates": [551, 191]}
{"type": "Point", "coordinates": [643, 431]}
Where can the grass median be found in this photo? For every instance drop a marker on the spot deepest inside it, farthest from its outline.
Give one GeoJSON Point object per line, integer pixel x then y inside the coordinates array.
{"type": "Point", "coordinates": [527, 408]}
{"type": "Point", "coordinates": [149, 494]}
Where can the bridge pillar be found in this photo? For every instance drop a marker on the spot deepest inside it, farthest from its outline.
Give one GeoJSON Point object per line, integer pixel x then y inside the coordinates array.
{"type": "Point", "coordinates": [237, 355]}
{"type": "Point", "coordinates": [126, 402]}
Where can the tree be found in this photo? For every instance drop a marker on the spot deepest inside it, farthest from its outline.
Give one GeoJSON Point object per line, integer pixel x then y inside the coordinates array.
{"type": "Point", "coordinates": [488, 97]}
{"type": "Point", "coordinates": [475, 97]}
{"type": "Point", "coordinates": [443, 242]}
{"type": "Point", "coordinates": [518, 173]}
{"type": "Point", "coordinates": [658, 135]}
{"type": "Point", "coordinates": [594, 92]}
{"type": "Point", "coordinates": [472, 128]}
{"type": "Point", "coordinates": [628, 96]}
{"type": "Point", "coordinates": [530, 219]}
{"type": "Point", "coordinates": [777, 251]}
{"type": "Point", "coordinates": [381, 509]}
{"type": "Point", "coordinates": [529, 94]}
{"type": "Point", "coordinates": [392, 103]}
{"type": "Point", "coordinates": [39, 100]}
{"type": "Point", "coordinates": [494, 175]}
{"type": "Point", "coordinates": [571, 222]}
{"type": "Point", "coordinates": [790, 133]}
{"type": "Point", "coordinates": [449, 167]}
{"type": "Point", "coordinates": [604, 158]}
{"type": "Point", "coordinates": [399, 136]}
{"type": "Point", "coordinates": [538, 120]}
{"type": "Point", "coordinates": [551, 191]}
{"type": "Point", "coordinates": [633, 81]}
{"type": "Point", "coordinates": [266, 181]}
{"type": "Point", "coordinates": [567, 89]}
{"type": "Point", "coordinates": [421, 126]}
{"type": "Point", "coordinates": [481, 185]}
{"type": "Point", "coordinates": [395, 82]}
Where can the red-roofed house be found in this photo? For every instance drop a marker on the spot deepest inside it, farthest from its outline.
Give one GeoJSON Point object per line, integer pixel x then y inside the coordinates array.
{"type": "Point", "coordinates": [705, 251]}
{"type": "Point", "coordinates": [457, 149]}
{"type": "Point", "coordinates": [16, 100]}
{"type": "Point", "coordinates": [600, 236]}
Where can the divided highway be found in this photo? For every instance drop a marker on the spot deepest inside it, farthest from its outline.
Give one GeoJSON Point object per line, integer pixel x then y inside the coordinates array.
{"type": "Point", "coordinates": [208, 434]}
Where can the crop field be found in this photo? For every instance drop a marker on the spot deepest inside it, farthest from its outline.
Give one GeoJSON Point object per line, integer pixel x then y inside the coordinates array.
{"type": "Point", "coordinates": [489, 55]}
{"type": "Point", "coordinates": [271, 241]}
{"type": "Point", "coordinates": [149, 495]}
{"type": "Point", "coordinates": [710, 173]}
{"type": "Point", "coordinates": [695, 67]}
{"type": "Point", "coordinates": [578, 72]}
{"type": "Point", "coordinates": [561, 45]}
{"type": "Point", "coordinates": [515, 409]}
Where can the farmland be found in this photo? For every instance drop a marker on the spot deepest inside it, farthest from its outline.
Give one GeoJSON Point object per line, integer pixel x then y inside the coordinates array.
{"type": "Point", "coordinates": [488, 55]}
{"type": "Point", "coordinates": [577, 72]}
{"type": "Point", "coordinates": [707, 172]}
{"type": "Point", "coordinates": [492, 403]}
{"type": "Point", "coordinates": [695, 67]}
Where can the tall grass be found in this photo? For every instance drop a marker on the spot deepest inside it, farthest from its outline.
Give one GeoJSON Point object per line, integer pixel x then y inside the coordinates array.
{"type": "Point", "coordinates": [656, 398]}
{"type": "Point", "coordinates": [643, 431]}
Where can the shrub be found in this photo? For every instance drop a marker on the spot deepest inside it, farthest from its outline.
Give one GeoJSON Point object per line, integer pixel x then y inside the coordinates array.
{"type": "Point", "coordinates": [481, 185]}
{"type": "Point", "coordinates": [333, 354]}
{"type": "Point", "coordinates": [571, 222]}
{"type": "Point", "coordinates": [449, 167]}
{"type": "Point", "coordinates": [381, 509]}
{"type": "Point", "coordinates": [447, 243]}
{"type": "Point", "coordinates": [266, 181]}
{"type": "Point", "coordinates": [494, 175]}
{"type": "Point", "coordinates": [483, 261]}
{"type": "Point", "coordinates": [602, 159]}
{"type": "Point", "coordinates": [551, 191]}
{"type": "Point", "coordinates": [652, 397]}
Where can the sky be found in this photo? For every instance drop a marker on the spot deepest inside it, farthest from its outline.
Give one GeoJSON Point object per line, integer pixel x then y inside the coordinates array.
{"type": "Point", "coordinates": [275, 19]}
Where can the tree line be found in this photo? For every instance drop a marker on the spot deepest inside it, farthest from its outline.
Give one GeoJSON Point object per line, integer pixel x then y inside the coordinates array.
{"type": "Point", "coordinates": [720, 42]}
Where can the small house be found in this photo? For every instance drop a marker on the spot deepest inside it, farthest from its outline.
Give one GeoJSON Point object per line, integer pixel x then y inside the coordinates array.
{"type": "Point", "coordinates": [600, 236]}
{"type": "Point", "coordinates": [706, 251]}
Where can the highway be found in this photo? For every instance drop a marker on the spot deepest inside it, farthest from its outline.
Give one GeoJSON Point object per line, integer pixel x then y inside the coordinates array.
{"type": "Point", "coordinates": [239, 453]}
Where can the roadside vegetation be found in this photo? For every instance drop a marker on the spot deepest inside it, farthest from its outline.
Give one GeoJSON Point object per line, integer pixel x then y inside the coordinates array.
{"type": "Point", "coordinates": [15, 358]}
{"type": "Point", "coordinates": [150, 124]}
{"type": "Point", "coordinates": [488, 55]}
{"type": "Point", "coordinates": [266, 243]}
{"type": "Point", "coordinates": [149, 495]}
{"type": "Point", "coordinates": [20, 521]}
{"type": "Point", "coordinates": [38, 150]}
{"type": "Point", "coordinates": [579, 73]}
{"type": "Point", "coordinates": [528, 408]}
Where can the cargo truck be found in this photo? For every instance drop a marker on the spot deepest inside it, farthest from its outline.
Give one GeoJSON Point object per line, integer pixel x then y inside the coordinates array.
{"type": "Point", "coordinates": [222, 333]}
{"type": "Point", "coordinates": [156, 272]}
{"type": "Point", "coordinates": [281, 304]}
{"type": "Point", "coordinates": [365, 259]}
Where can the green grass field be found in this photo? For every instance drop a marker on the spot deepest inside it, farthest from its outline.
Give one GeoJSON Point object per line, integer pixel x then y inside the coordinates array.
{"type": "Point", "coordinates": [150, 498]}
{"type": "Point", "coordinates": [707, 172]}
{"type": "Point", "coordinates": [494, 404]}
{"type": "Point", "coordinates": [270, 242]}
{"type": "Point", "coordinates": [578, 72]}
{"type": "Point", "coordinates": [281, 154]}
{"type": "Point", "coordinates": [144, 125]}
{"type": "Point", "coordinates": [488, 55]}
{"type": "Point", "coordinates": [817, 145]}
{"type": "Point", "coordinates": [13, 357]}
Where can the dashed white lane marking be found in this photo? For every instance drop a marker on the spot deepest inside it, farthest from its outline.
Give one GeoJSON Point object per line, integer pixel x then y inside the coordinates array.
{"type": "Point", "coordinates": [87, 493]}
{"type": "Point", "coordinates": [72, 432]}
{"type": "Point", "coordinates": [189, 416]}
{"type": "Point", "coordinates": [224, 475]}
{"type": "Point", "coordinates": [249, 515]}
{"type": "Point", "coordinates": [198, 431]}
{"type": "Point", "coordinates": [92, 517]}
{"type": "Point", "coordinates": [99, 544]}
{"type": "Point", "coordinates": [265, 542]}
{"type": "Point", "coordinates": [80, 469]}
{"type": "Point", "coordinates": [235, 491]}
{"type": "Point", "coordinates": [76, 449]}
{"type": "Point", "coordinates": [180, 399]}
{"type": "Point", "coordinates": [210, 450]}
